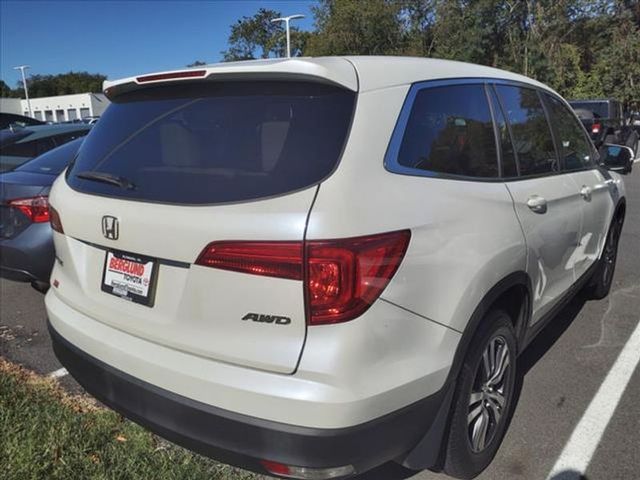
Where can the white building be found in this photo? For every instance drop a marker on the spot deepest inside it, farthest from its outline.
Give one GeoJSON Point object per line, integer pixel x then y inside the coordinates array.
{"type": "Point", "coordinates": [11, 105]}
{"type": "Point", "coordinates": [66, 107]}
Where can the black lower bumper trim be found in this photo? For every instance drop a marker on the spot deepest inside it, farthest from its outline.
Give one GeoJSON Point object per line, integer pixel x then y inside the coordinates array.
{"type": "Point", "coordinates": [243, 440]}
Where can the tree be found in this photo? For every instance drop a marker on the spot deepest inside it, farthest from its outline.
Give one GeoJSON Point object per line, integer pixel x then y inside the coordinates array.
{"type": "Point", "coordinates": [259, 37]}
{"type": "Point", "coordinates": [351, 27]}
{"type": "Point", "coordinates": [418, 20]}
{"type": "Point", "coordinates": [64, 84]}
{"type": "Point", "coordinates": [197, 63]}
{"type": "Point", "coordinates": [619, 63]}
{"type": "Point", "coordinates": [8, 92]}
{"type": "Point", "coordinates": [581, 48]}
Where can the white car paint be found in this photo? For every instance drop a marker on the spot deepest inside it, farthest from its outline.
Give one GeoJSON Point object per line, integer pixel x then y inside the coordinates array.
{"type": "Point", "coordinates": [466, 236]}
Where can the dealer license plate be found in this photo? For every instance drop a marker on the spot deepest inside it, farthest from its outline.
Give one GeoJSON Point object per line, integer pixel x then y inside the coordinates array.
{"type": "Point", "coordinates": [130, 276]}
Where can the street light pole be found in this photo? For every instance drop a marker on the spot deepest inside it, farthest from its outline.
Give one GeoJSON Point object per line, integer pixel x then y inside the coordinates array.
{"type": "Point", "coordinates": [286, 21]}
{"type": "Point", "coordinates": [22, 68]}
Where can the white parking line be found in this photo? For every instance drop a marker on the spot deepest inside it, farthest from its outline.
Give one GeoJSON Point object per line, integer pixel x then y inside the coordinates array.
{"type": "Point", "coordinates": [61, 372]}
{"type": "Point", "coordinates": [579, 450]}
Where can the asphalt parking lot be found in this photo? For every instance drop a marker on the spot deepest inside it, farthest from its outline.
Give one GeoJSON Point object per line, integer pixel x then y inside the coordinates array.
{"type": "Point", "coordinates": [567, 413]}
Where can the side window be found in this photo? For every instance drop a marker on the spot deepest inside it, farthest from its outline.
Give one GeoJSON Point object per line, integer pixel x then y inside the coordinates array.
{"type": "Point", "coordinates": [450, 131]}
{"type": "Point", "coordinates": [571, 140]}
{"type": "Point", "coordinates": [509, 168]}
{"type": "Point", "coordinates": [531, 134]}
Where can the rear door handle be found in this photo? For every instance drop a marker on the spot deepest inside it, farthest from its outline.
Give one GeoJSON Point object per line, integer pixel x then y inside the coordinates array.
{"type": "Point", "coordinates": [586, 193]}
{"type": "Point", "coordinates": [537, 204]}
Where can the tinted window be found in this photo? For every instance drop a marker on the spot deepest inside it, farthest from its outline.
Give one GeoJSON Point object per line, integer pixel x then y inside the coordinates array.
{"type": "Point", "coordinates": [531, 134]}
{"type": "Point", "coordinates": [216, 142]}
{"type": "Point", "coordinates": [571, 141]}
{"type": "Point", "coordinates": [54, 161]}
{"type": "Point", "coordinates": [449, 130]}
{"type": "Point", "coordinates": [509, 168]}
{"type": "Point", "coordinates": [28, 148]}
{"type": "Point", "coordinates": [599, 109]}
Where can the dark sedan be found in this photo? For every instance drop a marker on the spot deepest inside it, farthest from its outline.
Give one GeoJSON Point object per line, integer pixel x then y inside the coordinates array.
{"type": "Point", "coordinates": [7, 119]}
{"type": "Point", "coordinates": [19, 145]}
{"type": "Point", "coordinates": [26, 245]}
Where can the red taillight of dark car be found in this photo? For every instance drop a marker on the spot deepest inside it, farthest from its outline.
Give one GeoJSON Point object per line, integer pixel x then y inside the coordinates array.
{"type": "Point", "coordinates": [595, 128]}
{"type": "Point", "coordinates": [35, 208]}
{"type": "Point", "coordinates": [342, 278]}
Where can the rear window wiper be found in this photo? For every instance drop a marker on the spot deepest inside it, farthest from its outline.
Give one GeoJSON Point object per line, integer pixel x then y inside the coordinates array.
{"type": "Point", "coordinates": [107, 178]}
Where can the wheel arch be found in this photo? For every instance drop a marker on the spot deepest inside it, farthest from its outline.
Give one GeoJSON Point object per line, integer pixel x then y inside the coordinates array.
{"type": "Point", "coordinates": [513, 294]}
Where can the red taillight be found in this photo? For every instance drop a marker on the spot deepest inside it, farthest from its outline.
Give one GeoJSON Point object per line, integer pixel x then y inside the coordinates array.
{"type": "Point", "coordinates": [342, 278]}
{"type": "Point", "coordinates": [36, 208]}
{"type": "Point", "coordinates": [54, 219]}
{"type": "Point", "coordinates": [595, 128]}
{"type": "Point", "coordinates": [172, 76]}
{"type": "Point", "coordinates": [272, 259]}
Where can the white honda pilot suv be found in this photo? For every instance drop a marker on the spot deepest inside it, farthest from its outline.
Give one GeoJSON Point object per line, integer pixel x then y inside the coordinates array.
{"type": "Point", "coordinates": [310, 267]}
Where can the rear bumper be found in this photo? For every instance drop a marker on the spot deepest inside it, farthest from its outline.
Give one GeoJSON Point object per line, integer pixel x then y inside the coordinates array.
{"type": "Point", "coordinates": [29, 256]}
{"type": "Point", "coordinates": [243, 440]}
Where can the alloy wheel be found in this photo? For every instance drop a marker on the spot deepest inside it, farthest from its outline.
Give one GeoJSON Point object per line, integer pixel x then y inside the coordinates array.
{"type": "Point", "coordinates": [489, 394]}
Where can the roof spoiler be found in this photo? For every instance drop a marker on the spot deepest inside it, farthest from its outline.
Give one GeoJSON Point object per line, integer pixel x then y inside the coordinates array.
{"type": "Point", "coordinates": [332, 71]}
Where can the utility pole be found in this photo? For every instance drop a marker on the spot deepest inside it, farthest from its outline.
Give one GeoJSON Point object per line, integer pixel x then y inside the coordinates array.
{"type": "Point", "coordinates": [22, 68]}
{"type": "Point", "coordinates": [286, 21]}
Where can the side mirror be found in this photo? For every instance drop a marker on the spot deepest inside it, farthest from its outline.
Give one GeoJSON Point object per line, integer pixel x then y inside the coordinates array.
{"type": "Point", "coordinates": [616, 158]}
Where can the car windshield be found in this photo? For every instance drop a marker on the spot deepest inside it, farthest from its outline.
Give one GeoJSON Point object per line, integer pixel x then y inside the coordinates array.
{"type": "Point", "coordinates": [54, 161]}
{"type": "Point", "coordinates": [215, 142]}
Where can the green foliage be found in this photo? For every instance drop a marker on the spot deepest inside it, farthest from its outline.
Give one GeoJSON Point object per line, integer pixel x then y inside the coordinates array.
{"type": "Point", "coordinates": [44, 433]}
{"type": "Point", "coordinates": [352, 27]}
{"type": "Point", "coordinates": [259, 37]}
{"type": "Point", "coordinates": [582, 48]}
{"type": "Point", "coordinates": [197, 63]}
{"type": "Point", "coordinates": [62, 84]}
{"type": "Point", "coordinates": [618, 66]}
{"type": "Point", "coordinates": [7, 92]}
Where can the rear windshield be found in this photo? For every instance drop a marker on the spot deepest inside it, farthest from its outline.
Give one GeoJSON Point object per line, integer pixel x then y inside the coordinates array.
{"type": "Point", "coordinates": [207, 143]}
{"type": "Point", "coordinates": [599, 109]}
{"type": "Point", "coordinates": [54, 161]}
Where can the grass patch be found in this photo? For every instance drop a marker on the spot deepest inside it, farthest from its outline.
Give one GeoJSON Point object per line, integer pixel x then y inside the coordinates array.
{"type": "Point", "coordinates": [47, 433]}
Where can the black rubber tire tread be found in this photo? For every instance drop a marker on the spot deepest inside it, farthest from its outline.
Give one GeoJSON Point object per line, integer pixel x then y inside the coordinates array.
{"type": "Point", "coordinates": [597, 288]}
{"type": "Point", "coordinates": [460, 461]}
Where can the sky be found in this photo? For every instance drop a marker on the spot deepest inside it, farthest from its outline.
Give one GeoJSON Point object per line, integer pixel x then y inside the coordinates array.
{"type": "Point", "coordinates": [122, 38]}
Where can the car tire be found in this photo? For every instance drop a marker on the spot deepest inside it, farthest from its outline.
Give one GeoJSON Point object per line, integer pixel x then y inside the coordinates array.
{"type": "Point", "coordinates": [602, 279]}
{"type": "Point", "coordinates": [478, 422]}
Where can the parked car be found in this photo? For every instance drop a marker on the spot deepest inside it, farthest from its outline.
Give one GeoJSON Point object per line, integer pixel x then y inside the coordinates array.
{"type": "Point", "coordinates": [607, 122]}
{"type": "Point", "coordinates": [26, 244]}
{"type": "Point", "coordinates": [17, 146]}
{"type": "Point", "coordinates": [8, 119]}
{"type": "Point", "coordinates": [312, 267]}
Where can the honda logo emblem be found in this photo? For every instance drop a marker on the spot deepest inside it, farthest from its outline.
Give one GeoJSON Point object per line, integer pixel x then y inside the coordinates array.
{"type": "Point", "coordinates": [110, 227]}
